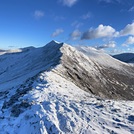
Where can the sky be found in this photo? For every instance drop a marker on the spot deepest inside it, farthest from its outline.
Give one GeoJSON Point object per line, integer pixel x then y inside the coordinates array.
{"type": "Point", "coordinates": [107, 25]}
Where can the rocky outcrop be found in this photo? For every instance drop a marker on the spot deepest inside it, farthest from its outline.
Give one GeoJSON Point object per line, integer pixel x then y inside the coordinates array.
{"type": "Point", "coordinates": [89, 75]}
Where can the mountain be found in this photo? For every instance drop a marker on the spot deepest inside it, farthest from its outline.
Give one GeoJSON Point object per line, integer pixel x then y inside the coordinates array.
{"type": "Point", "coordinates": [125, 57]}
{"type": "Point", "coordinates": [60, 89]}
{"type": "Point", "coordinates": [94, 72]}
{"type": "Point", "coordinates": [2, 51]}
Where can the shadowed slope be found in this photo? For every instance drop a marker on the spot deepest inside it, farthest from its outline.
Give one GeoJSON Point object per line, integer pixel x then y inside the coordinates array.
{"type": "Point", "coordinates": [25, 64]}
{"type": "Point", "coordinates": [125, 57]}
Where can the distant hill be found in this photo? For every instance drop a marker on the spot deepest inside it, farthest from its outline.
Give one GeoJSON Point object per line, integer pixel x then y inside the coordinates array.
{"type": "Point", "coordinates": [125, 57]}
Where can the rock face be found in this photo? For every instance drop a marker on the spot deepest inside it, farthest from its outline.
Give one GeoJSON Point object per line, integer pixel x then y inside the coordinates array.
{"type": "Point", "coordinates": [94, 72]}
{"type": "Point", "coordinates": [94, 76]}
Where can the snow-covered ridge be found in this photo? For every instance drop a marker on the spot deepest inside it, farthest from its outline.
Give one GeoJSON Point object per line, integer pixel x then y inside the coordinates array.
{"type": "Point", "coordinates": [96, 73]}
{"type": "Point", "coordinates": [101, 57]}
{"type": "Point", "coordinates": [26, 64]}
{"type": "Point", "coordinates": [49, 103]}
{"type": "Point", "coordinates": [100, 74]}
{"type": "Point", "coordinates": [42, 92]}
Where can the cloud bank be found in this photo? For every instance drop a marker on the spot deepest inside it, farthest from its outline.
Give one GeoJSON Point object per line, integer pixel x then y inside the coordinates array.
{"type": "Point", "coordinates": [100, 32]}
{"type": "Point", "coordinates": [129, 41]}
{"type": "Point", "coordinates": [111, 44]}
{"type": "Point", "coordinates": [128, 30]}
{"type": "Point", "coordinates": [107, 31]}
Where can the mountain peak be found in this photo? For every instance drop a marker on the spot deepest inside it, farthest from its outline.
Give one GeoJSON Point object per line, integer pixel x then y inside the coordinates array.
{"type": "Point", "coordinates": [99, 74]}
{"type": "Point", "coordinates": [54, 41]}
{"type": "Point", "coordinates": [53, 45]}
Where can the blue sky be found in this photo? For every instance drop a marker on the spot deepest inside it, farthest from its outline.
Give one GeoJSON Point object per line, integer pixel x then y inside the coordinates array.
{"type": "Point", "coordinates": [103, 24]}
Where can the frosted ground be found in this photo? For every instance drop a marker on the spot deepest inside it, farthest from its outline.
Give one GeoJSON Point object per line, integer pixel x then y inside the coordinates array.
{"type": "Point", "coordinates": [39, 100]}
{"type": "Point", "coordinates": [58, 106]}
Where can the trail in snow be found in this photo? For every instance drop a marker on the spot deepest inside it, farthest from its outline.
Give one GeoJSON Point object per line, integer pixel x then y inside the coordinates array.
{"type": "Point", "coordinates": [55, 105]}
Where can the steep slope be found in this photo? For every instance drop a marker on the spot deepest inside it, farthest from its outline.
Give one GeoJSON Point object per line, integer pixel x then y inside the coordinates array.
{"type": "Point", "coordinates": [50, 104]}
{"type": "Point", "coordinates": [125, 57]}
{"type": "Point", "coordinates": [97, 73]}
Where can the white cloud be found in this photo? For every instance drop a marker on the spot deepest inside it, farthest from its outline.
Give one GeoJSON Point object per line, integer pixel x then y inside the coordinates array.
{"type": "Point", "coordinates": [57, 32]}
{"type": "Point", "coordinates": [129, 41]}
{"type": "Point", "coordinates": [116, 51]}
{"type": "Point", "coordinates": [77, 24]}
{"type": "Point", "coordinates": [75, 34]}
{"type": "Point", "coordinates": [111, 44]}
{"type": "Point", "coordinates": [86, 16]}
{"type": "Point", "coordinates": [100, 32]}
{"type": "Point", "coordinates": [108, 32]}
{"type": "Point", "coordinates": [128, 30]}
{"type": "Point", "coordinates": [131, 9]}
{"type": "Point", "coordinates": [38, 14]}
{"type": "Point", "coordinates": [68, 3]}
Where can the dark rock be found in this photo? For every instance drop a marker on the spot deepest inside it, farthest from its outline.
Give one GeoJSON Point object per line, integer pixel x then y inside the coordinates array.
{"type": "Point", "coordinates": [131, 118]}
